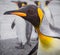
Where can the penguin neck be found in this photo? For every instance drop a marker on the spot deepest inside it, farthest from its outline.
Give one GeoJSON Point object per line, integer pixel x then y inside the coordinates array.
{"type": "Point", "coordinates": [44, 40]}
{"type": "Point", "coordinates": [38, 31]}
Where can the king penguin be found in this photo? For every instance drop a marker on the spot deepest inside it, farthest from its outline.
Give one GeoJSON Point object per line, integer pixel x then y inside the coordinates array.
{"type": "Point", "coordinates": [47, 45]}
{"type": "Point", "coordinates": [19, 23]}
{"type": "Point", "coordinates": [28, 25]}
{"type": "Point", "coordinates": [30, 31]}
{"type": "Point", "coordinates": [20, 3]}
{"type": "Point", "coordinates": [21, 37]}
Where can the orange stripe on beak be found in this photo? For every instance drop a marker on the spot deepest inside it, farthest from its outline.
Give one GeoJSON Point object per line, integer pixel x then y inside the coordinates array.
{"type": "Point", "coordinates": [19, 14]}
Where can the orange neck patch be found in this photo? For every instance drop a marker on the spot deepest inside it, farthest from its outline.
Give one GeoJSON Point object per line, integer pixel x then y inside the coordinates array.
{"type": "Point", "coordinates": [44, 40]}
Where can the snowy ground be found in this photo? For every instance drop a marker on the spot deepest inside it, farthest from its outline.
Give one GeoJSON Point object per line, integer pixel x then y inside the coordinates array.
{"type": "Point", "coordinates": [7, 47]}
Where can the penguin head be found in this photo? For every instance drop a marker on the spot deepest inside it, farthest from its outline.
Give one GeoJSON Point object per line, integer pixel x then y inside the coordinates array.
{"type": "Point", "coordinates": [47, 2]}
{"type": "Point", "coordinates": [37, 3]}
{"type": "Point", "coordinates": [31, 13]}
{"type": "Point", "coordinates": [20, 4]}
{"type": "Point", "coordinates": [24, 4]}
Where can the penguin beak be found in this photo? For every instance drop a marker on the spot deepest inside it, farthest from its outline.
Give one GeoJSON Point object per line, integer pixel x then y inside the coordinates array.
{"type": "Point", "coordinates": [19, 14]}
{"type": "Point", "coordinates": [16, 12]}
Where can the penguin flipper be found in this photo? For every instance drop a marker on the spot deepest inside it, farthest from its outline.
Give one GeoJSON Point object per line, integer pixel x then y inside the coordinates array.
{"type": "Point", "coordinates": [13, 24]}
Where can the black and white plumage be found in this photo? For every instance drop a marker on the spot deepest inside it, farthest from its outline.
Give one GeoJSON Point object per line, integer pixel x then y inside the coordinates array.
{"type": "Point", "coordinates": [11, 6]}
{"type": "Point", "coordinates": [27, 26]}
{"type": "Point", "coordinates": [30, 31]}
{"type": "Point", "coordinates": [5, 21]}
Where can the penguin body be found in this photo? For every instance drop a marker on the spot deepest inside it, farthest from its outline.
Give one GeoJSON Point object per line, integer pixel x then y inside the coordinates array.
{"type": "Point", "coordinates": [10, 32]}
{"type": "Point", "coordinates": [27, 26]}
{"type": "Point", "coordinates": [20, 31]}
{"type": "Point", "coordinates": [34, 35]}
{"type": "Point", "coordinates": [5, 27]}
{"type": "Point", "coordinates": [5, 21]}
{"type": "Point", "coordinates": [30, 31]}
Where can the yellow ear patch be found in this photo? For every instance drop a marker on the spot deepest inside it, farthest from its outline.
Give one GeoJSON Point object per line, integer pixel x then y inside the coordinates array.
{"type": "Point", "coordinates": [38, 3]}
{"type": "Point", "coordinates": [40, 14]}
{"type": "Point", "coordinates": [23, 4]}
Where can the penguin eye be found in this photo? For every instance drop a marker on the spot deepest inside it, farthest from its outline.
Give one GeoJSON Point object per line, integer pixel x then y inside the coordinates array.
{"type": "Point", "coordinates": [31, 11]}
